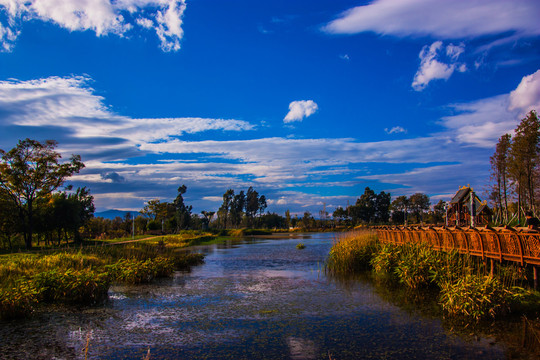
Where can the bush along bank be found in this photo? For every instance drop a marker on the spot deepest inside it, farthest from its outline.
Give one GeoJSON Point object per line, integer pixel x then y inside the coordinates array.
{"type": "Point", "coordinates": [465, 288]}
{"type": "Point", "coordinates": [83, 277]}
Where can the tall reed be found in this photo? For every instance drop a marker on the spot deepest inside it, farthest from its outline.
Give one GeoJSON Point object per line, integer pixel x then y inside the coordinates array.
{"type": "Point", "coordinates": [352, 252]}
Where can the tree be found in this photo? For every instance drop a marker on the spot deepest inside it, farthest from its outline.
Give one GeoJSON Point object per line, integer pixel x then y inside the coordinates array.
{"type": "Point", "coordinates": [262, 205]}
{"type": "Point", "coordinates": [340, 215]}
{"type": "Point", "coordinates": [524, 160]}
{"type": "Point", "coordinates": [364, 209]}
{"type": "Point", "coordinates": [223, 211]}
{"type": "Point", "coordinates": [382, 207]}
{"type": "Point", "coordinates": [499, 174]}
{"type": "Point", "coordinates": [252, 204]}
{"type": "Point", "coordinates": [400, 207]}
{"type": "Point", "coordinates": [237, 208]}
{"type": "Point", "coordinates": [419, 203]}
{"type": "Point", "coordinates": [31, 170]}
{"type": "Point", "coordinates": [8, 219]}
{"type": "Point", "coordinates": [183, 212]}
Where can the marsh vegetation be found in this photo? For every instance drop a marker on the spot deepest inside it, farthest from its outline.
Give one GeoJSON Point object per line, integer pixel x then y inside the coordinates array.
{"type": "Point", "coordinates": [466, 287]}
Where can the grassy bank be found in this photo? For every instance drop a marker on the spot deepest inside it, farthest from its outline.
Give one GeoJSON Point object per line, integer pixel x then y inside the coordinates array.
{"type": "Point", "coordinates": [466, 287]}
{"type": "Point", "coordinates": [83, 276]}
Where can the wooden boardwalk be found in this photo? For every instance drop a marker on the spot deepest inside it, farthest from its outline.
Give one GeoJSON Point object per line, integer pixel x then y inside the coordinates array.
{"type": "Point", "coordinates": [519, 245]}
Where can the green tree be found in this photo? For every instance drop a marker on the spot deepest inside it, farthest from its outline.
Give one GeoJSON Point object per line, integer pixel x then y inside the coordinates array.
{"type": "Point", "coordinates": [382, 207]}
{"type": "Point", "coordinates": [223, 211]}
{"type": "Point", "coordinates": [183, 212]}
{"type": "Point", "coordinates": [31, 170]}
{"type": "Point", "coordinates": [499, 175]}
{"type": "Point", "coordinates": [364, 209]}
{"type": "Point", "coordinates": [252, 204]}
{"type": "Point", "coordinates": [400, 208]}
{"type": "Point", "coordinates": [9, 222]}
{"type": "Point", "coordinates": [419, 203]}
{"type": "Point", "coordinates": [524, 160]}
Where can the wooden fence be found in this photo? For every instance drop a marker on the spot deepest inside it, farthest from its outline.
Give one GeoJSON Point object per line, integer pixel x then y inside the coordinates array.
{"type": "Point", "coordinates": [519, 245]}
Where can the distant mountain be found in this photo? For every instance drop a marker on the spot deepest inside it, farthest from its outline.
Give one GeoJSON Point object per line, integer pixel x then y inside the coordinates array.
{"type": "Point", "coordinates": [111, 214]}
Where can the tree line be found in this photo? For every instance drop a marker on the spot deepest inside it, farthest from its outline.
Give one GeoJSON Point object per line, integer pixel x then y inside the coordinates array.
{"type": "Point", "coordinates": [34, 204]}
{"type": "Point", "coordinates": [515, 170]}
{"type": "Point", "coordinates": [372, 208]}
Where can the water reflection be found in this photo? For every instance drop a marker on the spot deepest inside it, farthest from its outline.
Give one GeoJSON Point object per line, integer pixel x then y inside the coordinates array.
{"type": "Point", "coordinates": [252, 299]}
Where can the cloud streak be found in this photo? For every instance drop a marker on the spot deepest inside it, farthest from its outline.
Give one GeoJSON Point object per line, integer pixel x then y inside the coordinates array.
{"type": "Point", "coordinates": [440, 18]}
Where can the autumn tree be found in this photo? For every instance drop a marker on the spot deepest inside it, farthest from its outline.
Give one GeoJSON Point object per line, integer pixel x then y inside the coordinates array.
{"type": "Point", "coordinates": [31, 170]}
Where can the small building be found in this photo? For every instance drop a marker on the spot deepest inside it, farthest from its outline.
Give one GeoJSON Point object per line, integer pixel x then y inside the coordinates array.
{"type": "Point", "coordinates": [464, 203]}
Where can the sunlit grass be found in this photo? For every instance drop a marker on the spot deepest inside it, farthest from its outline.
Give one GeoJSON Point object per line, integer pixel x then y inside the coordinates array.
{"type": "Point", "coordinates": [83, 276]}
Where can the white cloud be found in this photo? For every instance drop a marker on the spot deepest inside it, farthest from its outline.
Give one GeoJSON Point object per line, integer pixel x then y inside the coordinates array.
{"type": "Point", "coordinates": [442, 19]}
{"type": "Point", "coordinates": [70, 103]}
{"type": "Point", "coordinates": [101, 16]}
{"type": "Point", "coordinates": [433, 69]}
{"type": "Point", "coordinates": [298, 110]}
{"type": "Point", "coordinates": [395, 130]}
{"type": "Point", "coordinates": [526, 96]}
{"type": "Point", "coordinates": [108, 141]}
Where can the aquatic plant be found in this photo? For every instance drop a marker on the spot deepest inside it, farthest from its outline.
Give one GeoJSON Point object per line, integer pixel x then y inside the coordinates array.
{"type": "Point", "coordinates": [352, 252]}
{"type": "Point", "coordinates": [478, 297]}
{"type": "Point", "coordinates": [83, 275]}
{"type": "Point", "coordinates": [18, 300]}
{"type": "Point", "coordinates": [84, 287]}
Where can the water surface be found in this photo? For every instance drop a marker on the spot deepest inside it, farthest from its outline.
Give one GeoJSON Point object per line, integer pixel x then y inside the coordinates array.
{"type": "Point", "coordinates": [254, 299]}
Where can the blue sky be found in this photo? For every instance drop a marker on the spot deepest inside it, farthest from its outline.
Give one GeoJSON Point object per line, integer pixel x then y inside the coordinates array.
{"type": "Point", "coordinates": [309, 102]}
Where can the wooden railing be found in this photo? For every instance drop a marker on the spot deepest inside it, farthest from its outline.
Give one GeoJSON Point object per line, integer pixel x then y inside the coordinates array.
{"type": "Point", "coordinates": [519, 245]}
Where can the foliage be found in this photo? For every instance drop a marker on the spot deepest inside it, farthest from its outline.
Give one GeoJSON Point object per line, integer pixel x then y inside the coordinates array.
{"type": "Point", "coordinates": [32, 170]}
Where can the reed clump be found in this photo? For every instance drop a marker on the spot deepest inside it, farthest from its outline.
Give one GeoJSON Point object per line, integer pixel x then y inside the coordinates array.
{"type": "Point", "coordinates": [83, 276]}
{"type": "Point", "coordinates": [352, 252]}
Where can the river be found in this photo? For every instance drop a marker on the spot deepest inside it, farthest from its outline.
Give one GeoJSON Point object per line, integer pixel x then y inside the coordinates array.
{"type": "Point", "coordinates": [259, 298]}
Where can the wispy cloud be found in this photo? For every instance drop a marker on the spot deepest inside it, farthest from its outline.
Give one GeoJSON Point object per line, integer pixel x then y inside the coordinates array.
{"type": "Point", "coordinates": [101, 16]}
{"type": "Point", "coordinates": [440, 18]}
{"type": "Point", "coordinates": [395, 130]}
{"type": "Point", "coordinates": [298, 110]}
